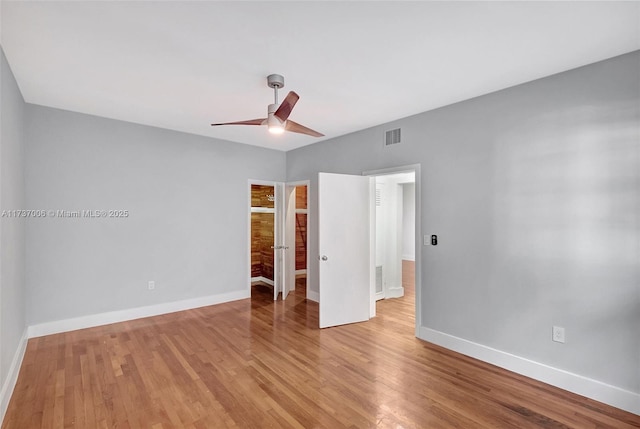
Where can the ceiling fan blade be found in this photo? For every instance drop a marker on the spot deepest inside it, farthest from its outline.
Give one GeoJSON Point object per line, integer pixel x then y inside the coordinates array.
{"type": "Point", "coordinates": [249, 122]}
{"type": "Point", "coordinates": [297, 128]}
{"type": "Point", "coordinates": [286, 106]}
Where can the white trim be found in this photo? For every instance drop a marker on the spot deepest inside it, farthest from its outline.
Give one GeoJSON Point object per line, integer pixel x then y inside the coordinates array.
{"type": "Point", "coordinates": [313, 296]}
{"type": "Point", "coordinates": [418, 249]}
{"type": "Point", "coordinates": [12, 375]}
{"type": "Point", "coordinates": [394, 292]}
{"type": "Point", "coordinates": [373, 295]}
{"type": "Point", "coordinates": [271, 210]}
{"type": "Point", "coordinates": [300, 272]}
{"type": "Point", "coordinates": [302, 211]}
{"type": "Point", "coordinates": [92, 320]}
{"type": "Point", "coordinates": [263, 279]}
{"type": "Point", "coordinates": [411, 258]}
{"type": "Point", "coordinates": [597, 390]}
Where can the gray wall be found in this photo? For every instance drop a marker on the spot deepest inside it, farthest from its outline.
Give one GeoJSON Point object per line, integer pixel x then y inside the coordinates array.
{"type": "Point", "coordinates": [187, 228]}
{"type": "Point", "coordinates": [12, 251]}
{"type": "Point", "coordinates": [534, 192]}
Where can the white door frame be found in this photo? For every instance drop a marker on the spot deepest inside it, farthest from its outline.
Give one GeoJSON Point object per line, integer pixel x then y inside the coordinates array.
{"type": "Point", "coordinates": [375, 242]}
{"type": "Point", "coordinates": [418, 230]}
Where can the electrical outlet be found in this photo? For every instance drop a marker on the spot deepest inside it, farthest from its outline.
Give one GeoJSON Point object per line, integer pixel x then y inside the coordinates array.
{"type": "Point", "coordinates": [152, 285]}
{"type": "Point", "coordinates": [558, 334]}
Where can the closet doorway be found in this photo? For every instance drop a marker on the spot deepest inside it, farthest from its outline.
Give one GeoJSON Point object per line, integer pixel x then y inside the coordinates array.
{"type": "Point", "coordinates": [278, 238]}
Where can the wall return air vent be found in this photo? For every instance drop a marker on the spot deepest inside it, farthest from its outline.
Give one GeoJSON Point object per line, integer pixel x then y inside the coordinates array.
{"type": "Point", "coordinates": [392, 137]}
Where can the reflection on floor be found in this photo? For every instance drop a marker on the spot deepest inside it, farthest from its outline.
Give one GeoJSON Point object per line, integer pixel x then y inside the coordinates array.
{"type": "Point", "coordinates": [409, 278]}
{"type": "Point", "coordinates": [262, 288]}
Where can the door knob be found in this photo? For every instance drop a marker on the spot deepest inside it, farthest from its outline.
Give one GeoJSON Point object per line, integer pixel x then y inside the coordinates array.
{"type": "Point", "coordinates": [324, 257]}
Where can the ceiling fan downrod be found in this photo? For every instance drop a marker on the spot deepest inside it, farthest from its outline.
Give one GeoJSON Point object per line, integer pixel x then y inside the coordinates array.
{"type": "Point", "coordinates": [276, 82]}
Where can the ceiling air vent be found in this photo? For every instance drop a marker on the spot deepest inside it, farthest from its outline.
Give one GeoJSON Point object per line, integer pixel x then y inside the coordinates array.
{"type": "Point", "coordinates": [392, 137]}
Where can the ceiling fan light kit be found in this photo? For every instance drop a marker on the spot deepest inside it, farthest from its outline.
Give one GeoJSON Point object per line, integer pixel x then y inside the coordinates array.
{"type": "Point", "coordinates": [277, 120]}
{"type": "Point", "coordinates": [273, 123]}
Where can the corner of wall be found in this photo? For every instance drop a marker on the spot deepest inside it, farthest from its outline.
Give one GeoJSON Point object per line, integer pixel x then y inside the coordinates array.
{"type": "Point", "coordinates": [12, 377]}
{"type": "Point", "coordinates": [12, 239]}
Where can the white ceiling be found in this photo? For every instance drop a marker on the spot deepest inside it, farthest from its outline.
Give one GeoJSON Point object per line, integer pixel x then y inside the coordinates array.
{"type": "Point", "coordinates": [184, 65]}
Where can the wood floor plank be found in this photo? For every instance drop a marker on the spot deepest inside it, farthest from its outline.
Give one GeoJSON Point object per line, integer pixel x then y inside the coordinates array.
{"type": "Point", "coordinates": [256, 363]}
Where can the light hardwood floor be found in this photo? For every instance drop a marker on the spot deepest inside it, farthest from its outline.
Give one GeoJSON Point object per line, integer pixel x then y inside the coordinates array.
{"type": "Point", "coordinates": [259, 364]}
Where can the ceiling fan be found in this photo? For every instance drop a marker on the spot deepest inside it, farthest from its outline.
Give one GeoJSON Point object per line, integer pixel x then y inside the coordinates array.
{"type": "Point", "coordinates": [277, 120]}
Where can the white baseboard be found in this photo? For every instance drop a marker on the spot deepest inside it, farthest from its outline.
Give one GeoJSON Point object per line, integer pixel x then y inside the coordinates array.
{"type": "Point", "coordinates": [12, 376]}
{"type": "Point", "coordinates": [300, 272]}
{"type": "Point", "coordinates": [92, 320]}
{"type": "Point", "coordinates": [408, 257]}
{"type": "Point", "coordinates": [599, 391]}
{"type": "Point", "coordinates": [313, 296]}
{"type": "Point", "coordinates": [394, 292]}
{"type": "Point", "coordinates": [262, 279]}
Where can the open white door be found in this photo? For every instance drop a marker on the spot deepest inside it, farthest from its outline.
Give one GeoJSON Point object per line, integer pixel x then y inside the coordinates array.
{"type": "Point", "coordinates": [344, 238]}
{"type": "Point", "coordinates": [284, 240]}
{"type": "Point", "coordinates": [278, 240]}
{"type": "Point", "coordinates": [289, 251]}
